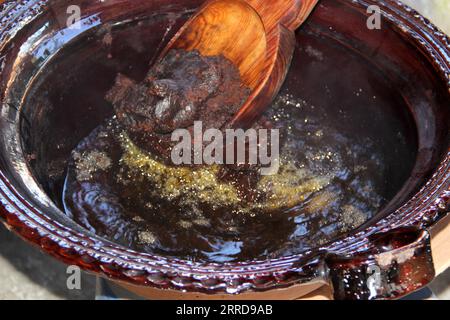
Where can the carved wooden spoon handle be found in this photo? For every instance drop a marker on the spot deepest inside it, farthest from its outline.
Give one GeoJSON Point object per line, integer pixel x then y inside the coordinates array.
{"type": "Point", "coordinates": [280, 19]}
{"type": "Point", "coordinates": [289, 13]}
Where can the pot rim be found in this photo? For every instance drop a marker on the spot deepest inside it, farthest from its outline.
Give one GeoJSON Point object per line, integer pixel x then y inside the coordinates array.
{"type": "Point", "coordinates": [427, 207]}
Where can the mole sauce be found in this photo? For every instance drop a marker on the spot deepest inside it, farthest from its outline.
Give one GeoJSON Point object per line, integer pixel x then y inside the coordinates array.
{"type": "Point", "coordinates": [120, 183]}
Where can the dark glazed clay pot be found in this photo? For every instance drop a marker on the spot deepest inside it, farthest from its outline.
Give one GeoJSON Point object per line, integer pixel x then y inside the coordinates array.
{"type": "Point", "coordinates": [407, 62]}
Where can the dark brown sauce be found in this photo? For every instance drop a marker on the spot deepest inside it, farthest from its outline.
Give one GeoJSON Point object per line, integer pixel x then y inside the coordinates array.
{"type": "Point", "coordinates": [180, 89]}
{"type": "Point", "coordinates": [339, 158]}
{"type": "Point", "coordinates": [117, 187]}
{"type": "Point", "coordinates": [335, 191]}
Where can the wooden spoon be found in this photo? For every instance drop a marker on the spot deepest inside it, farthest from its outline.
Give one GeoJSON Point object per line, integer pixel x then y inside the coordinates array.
{"type": "Point", "coordinates": [255, 35]}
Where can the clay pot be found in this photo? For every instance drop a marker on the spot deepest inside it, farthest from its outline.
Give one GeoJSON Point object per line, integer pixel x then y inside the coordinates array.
{"type": "Point", "coordinates": [406, 62]}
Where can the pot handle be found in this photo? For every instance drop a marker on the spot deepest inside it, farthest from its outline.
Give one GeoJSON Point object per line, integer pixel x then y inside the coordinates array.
{"type": "Point", "coordinates": [398, 263]}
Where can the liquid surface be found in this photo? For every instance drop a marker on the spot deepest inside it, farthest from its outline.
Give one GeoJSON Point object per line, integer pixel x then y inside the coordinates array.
{"type": "Point", "coordinates": [340, 165]}
{"type": "Point", "coordinates": [325, 185]}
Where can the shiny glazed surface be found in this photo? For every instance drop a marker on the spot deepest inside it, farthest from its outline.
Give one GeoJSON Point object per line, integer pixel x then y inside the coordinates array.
{"type": "Point", "coordinates": [422, 82]}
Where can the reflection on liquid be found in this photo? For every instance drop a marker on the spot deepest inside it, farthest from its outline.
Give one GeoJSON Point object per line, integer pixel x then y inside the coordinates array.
{"type": "Point", "coordinates": [326, 185]}
{"type": "Point", "coordinates": [339, 164]}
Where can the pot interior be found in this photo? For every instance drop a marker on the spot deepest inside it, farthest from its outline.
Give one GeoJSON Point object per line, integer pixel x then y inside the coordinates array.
{"type": "Point", "coordinates": [349, 90]}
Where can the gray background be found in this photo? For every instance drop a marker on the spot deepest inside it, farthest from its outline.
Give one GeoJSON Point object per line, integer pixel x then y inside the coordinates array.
{"type": "Point", "coordinates": [26, 273]}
